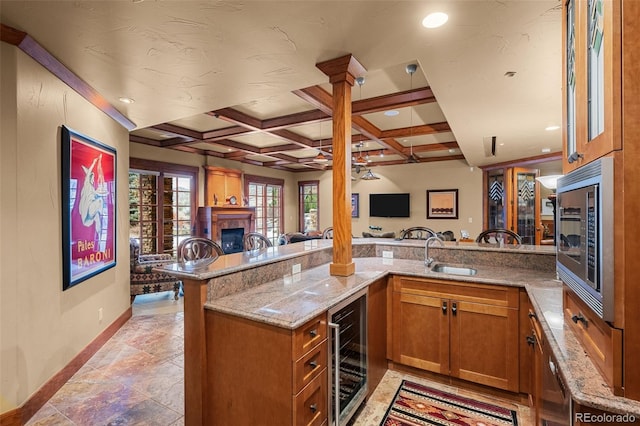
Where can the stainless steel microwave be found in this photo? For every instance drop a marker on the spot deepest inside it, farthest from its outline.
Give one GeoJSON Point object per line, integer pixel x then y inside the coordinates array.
{"type": "Point", "coordinates": [584, 230]}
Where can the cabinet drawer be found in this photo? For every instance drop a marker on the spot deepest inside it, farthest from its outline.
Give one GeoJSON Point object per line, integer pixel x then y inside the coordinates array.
{"type": "Point", "coordinates": [309, 366]}
{"type": "Point", "coordinates": [478, 293]}
{"type": "Point", "coordinates": [310, 405]}
{"type": "Point", "coordinates": [602, 342]}
{"type": "Point", "coordinates": [309, 335]}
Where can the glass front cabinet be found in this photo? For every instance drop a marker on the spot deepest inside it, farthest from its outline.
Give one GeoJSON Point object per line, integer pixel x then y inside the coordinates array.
{"type": "Point", "coordinates": [512, 200]}
{"type": "Point", "coordinates": [592, 75]}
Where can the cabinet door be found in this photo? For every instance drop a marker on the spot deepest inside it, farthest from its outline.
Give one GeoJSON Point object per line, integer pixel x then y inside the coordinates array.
{"type": "Point", "coordinates": [592, 80]}
{"type": "Point", "coordinates": [420, 332]}
{"type": "Point", "coordinates": [484, 344]}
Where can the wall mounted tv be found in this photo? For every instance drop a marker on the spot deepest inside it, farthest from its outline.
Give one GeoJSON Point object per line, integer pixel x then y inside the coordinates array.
{"type": "Point", "coordinates": [389, 205]}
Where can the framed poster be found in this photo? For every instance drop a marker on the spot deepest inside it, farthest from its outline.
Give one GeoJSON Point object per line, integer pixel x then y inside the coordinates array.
{"type": "Point", "coordinates": [88, 207]}
{"type": "Point", "coordinates": [442, 204]}
{"type": "Point", "coordinates": [355, 205]}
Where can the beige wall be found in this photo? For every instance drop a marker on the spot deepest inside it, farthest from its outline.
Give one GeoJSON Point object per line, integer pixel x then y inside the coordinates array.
{"type": "Point", "coordinates": [414, 179]}
{"type": "Point", "coordinates": [42, 327]}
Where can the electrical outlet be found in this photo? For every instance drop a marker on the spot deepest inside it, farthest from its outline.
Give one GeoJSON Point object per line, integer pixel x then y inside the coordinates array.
{"type": "Point", "coordinates": [296, 268]}
{"type": "Point", "coordinates": [99, 314]}
{"type": "Point", "coordinates": [387, 254]}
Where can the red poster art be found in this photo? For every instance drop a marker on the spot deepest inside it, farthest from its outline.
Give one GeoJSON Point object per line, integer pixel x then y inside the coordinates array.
{"type": "Point", "coordinates": [89, 207]}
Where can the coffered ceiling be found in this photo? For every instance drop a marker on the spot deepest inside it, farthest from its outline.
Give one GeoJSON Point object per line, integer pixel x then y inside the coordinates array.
{"type": "Point", "coordinates": [238, 80]}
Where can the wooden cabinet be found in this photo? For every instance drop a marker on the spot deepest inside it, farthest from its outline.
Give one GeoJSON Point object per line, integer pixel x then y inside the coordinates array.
{"type": "Point", "coordinates": [259, 372]}
{"type": "Point", "coordinates": [601, 341]}
{"type": "Point", "coordinates": [377, 315]}
{"type": "Point", "coordinates": [512, 201]}
{"type": "Point", "coordinates": [220, 184]}
{"type": "Point", "coordinates": [592, 80]}
{"type": "Point", "coordinates": [454, 329]}
{"type": "Point", "coordinates": [468, 331]}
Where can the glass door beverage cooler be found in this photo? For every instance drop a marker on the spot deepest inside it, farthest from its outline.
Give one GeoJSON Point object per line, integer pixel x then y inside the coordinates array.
{"type": "Point", "coordinates": [348, 354]}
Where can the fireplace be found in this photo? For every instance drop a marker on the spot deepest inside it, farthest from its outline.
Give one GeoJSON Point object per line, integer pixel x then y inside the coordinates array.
{"type": "Point", "coordinates": [212, 220]}
{"type": "Point", "coordinates": [232, 240]}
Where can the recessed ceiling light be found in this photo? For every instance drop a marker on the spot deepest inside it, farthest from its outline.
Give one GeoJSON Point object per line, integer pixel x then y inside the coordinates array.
{"type": "Point", "coordinates": [391, 113]}
{"type": "Point", "coordinates": [435, 20]}
{"type": "Point", "coordinates": [545, 150]}
{"type": "Point", "coordinates": [550, 128]}
{"type": "Point", "coordinates": [452, 150]}
{"type": "Point", "coordinates": [126, 100]}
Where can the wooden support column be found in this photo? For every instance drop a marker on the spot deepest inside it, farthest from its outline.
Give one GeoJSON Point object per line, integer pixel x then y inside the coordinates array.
{"type": "Point", "coordinates": [342, 73]}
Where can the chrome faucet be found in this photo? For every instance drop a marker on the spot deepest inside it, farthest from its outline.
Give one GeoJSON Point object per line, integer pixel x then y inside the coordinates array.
{"type": "Point", "coordinates": [429, 260]}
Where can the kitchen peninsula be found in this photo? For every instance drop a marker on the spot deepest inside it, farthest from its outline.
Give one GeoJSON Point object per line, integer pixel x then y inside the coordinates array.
{"type": "Point", "coordinates": [258, 302]}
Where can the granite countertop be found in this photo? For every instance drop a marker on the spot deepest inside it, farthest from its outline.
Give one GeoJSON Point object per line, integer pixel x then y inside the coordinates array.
{"type": "Point", "coordinates": [585, 383]}
{"type": "Point", "coordinates": [236, 262]}
{"type": "Point", "coordinates": [294, 299]}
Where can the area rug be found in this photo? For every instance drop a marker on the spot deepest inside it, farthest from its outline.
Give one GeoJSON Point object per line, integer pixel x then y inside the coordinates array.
{"type": "Point", "coordinates": [415, 405]}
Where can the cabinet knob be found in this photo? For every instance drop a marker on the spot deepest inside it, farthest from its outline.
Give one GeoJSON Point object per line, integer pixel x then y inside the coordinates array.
{"type": "Point", "coordinates": [454, 308]}
{"type": "Point", "coordinates": [532, 314]}
{"type": "Point", "coordinates": [531, 340]}
{"type": "Point", "coordinates": [313, 333]}
{"type": "Point", "coordinates": [313, 408]}
{"type": "Point", "coordinates": [313, 364]}
{"type": "Point", "coordinates": [444, 308]}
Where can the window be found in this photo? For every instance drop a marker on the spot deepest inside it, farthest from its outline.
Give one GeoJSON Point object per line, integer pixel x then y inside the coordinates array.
{"type": "Point", "coordinates": [308, 208]}
{"type": "Point", "coordinates": [162, 204]}
{"type": "Point", "coordinates": [266, 195]}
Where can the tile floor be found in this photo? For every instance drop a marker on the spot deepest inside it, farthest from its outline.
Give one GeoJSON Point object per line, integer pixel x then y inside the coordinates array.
{"type": "Point", "coordinates": [137, 377]}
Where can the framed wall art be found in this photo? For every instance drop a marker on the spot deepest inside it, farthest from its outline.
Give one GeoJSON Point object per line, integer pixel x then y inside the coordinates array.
{"type": "Point", "coordinates": [442, 204]}
{"type": "Point", "coordinates": [88, 207]}
{"type": "Point", "coordinates": [355, 205]}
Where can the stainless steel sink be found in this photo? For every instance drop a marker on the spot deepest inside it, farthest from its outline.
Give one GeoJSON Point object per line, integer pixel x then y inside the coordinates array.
{"type": "Point", "coordinates": [454, 270]}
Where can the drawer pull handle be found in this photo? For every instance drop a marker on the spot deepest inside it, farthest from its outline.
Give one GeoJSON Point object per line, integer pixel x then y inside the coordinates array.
{"type": "Point", "coordinates": [581, 318]}
{"type": "Point", "coordinates": [531, 340]}
{"type": "Point", "coordinates": [532, 314]}
{"type": "Point", "coordinates": [313, 364]}
{"type": "Point", "coordinates": [313, 408]}
{"type": "Point", "coordinates": [313, 333]}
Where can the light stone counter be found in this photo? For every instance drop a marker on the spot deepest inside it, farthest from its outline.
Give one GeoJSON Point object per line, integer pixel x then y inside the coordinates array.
{"type": "Point", "coordinates": [294, 299]}
{"type": "Point", "coordinates": [244, 285]}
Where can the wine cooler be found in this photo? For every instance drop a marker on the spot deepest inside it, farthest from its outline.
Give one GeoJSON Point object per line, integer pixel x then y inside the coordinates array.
{"type": "Point", "coordinates": [348, 354]}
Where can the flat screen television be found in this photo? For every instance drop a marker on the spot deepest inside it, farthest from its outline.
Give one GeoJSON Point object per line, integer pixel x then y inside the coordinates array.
{"type": "Point", "coordinates": [389, 205]}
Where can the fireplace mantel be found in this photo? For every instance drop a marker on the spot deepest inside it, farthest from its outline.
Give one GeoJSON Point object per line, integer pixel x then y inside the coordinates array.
{"type": "Point", "coordinates": [212, 219]}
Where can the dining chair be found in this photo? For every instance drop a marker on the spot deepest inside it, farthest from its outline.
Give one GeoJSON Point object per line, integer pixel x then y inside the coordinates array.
{"type": "Point", "coordinates": [327, 233]}
{"type": "Point", "coordinates": [255, 241]}
{"type": "Point", "coordinates": [497, 235]}
{"type": "Point", "coordinates": [198, 251]}
{"type": "Point", "coordinates": [417, 233]}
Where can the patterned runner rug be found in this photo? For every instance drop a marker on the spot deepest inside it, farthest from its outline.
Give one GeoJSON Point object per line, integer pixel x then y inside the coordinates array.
{"type": "Point", "coordinates": [417, 405]}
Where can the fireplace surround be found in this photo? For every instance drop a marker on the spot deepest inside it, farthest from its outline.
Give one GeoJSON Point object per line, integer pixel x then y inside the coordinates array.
{"type": "Point", "coordinates": [211, 220]}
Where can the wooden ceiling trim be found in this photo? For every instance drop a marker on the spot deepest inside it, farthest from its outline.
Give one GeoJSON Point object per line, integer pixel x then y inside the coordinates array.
{"type": "Point", "coordinates": [226, 132]}
{"type": "Point", "coordinates": [42, 56]}
{"type": "Point", "coordinates": [404, 99]}
{"type": "Point", "coordinates": [424, 129]}
{"type": "Point", "coordinates": [238, 145]}
{"type": "Point", "coordinates": [318, 97]}
{"type": "Point", "coordinates": [279, 148]}
{"type": "Point", "coordinates": [177, 131]}
{"type": "Point", "coordinates": [435, 147]}
{"type": "Point", "coordinates": [236, 117]}
{"type": "Point", "coordinates": [306, 117]}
